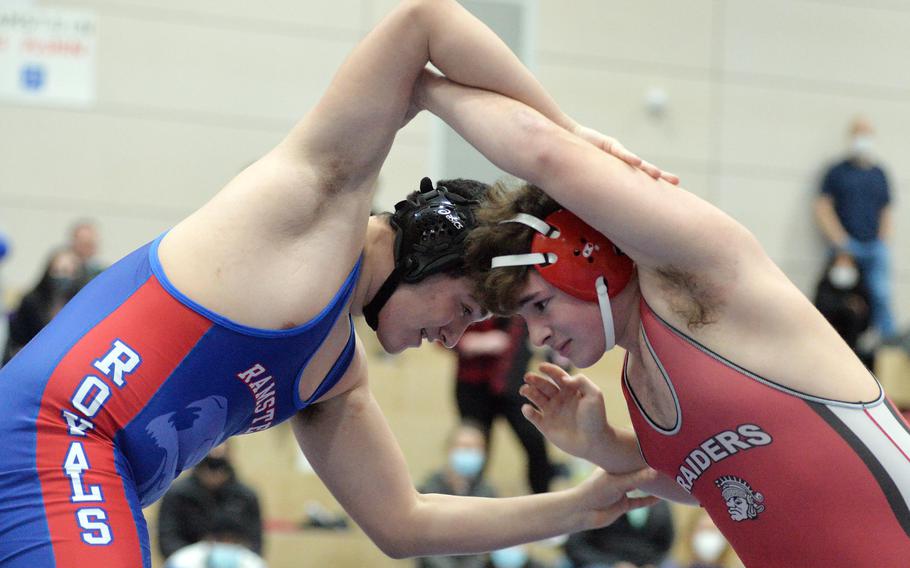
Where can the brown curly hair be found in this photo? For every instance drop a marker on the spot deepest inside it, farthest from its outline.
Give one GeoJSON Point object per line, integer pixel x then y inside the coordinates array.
{"type": "Point", "coordinates": [498, 290]}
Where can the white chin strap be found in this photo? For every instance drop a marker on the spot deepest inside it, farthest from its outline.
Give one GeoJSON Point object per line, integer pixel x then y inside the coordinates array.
{"type": "Point", "coordinates": [606, 314]}
{"type": "Point", "coordinates": [545, 259]}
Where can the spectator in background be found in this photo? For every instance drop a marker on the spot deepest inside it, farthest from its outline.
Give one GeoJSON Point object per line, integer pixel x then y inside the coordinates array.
{"type": "Point", "coordinates": [493, 356]}
{"type": "Point", "coordinates": [853, 211]}
{"type": "Point", "coordinates": [843, 298]}
{"type": "Point", "coordinates": [513, 557]}
{"type": "Point", "coordinates": [58, 284]}
{"type": "Point", "coordinates": [199, 507]}
{"type": "Point", "coordinates": [84, 244]}
{"type": "Point", "coordinates": [224, 547]}
{"type": "Point", "coordinates": [640, 538]}
{"type": "Point", "coordinates": [466, 450]}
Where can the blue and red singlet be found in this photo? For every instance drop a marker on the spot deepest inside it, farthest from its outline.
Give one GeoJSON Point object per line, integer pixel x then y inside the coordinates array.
{"type": "Point", "coordinates": [129, 385]}
{"type": "Point", "coordinates": [791, 480]}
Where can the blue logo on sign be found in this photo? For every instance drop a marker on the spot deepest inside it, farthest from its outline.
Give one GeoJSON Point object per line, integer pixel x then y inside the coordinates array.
{"type": "Point", "coordinates": [33, 77]}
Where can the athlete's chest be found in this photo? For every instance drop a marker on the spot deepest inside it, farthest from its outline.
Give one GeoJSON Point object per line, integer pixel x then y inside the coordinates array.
{"type": "Point", "coordinates": [651, 386]}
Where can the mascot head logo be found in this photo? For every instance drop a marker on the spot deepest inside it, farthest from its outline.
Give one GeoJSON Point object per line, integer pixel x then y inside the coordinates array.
{"type": "Point", "coordinates": [742, 502]}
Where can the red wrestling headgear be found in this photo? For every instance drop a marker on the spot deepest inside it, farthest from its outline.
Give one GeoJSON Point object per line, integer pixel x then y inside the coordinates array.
{"type": "Point", "coordinates": [576, 258]}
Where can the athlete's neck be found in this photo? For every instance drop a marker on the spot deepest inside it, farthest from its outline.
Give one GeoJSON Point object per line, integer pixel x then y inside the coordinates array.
{"type": "Point", "coordinates": [378, 262]}
{"type": "Point", "coordinates": [626, 314]}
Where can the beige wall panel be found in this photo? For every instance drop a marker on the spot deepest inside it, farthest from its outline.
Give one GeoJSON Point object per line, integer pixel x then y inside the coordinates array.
{"type": "Point", "coordinates": [898, 5]}
{"type": "Point", "coordinates": [331, 17]}
{"type": "Point", "coordinates": [770, 129]}
{"type": "Point", "coordinates": [901, 301]}
{"type": "Point", "coordinates": [123, 163]}
{"type": "Point", "coordinates": [777, 211]}
{"type": "Point", "coordinates": [213, 71]}
{"type": "Point", "coordinates": [656, 32]}
{"type": "Point", "coordinates": [614, 102]}
{"type": "Point", "coordinates": [811, 41]}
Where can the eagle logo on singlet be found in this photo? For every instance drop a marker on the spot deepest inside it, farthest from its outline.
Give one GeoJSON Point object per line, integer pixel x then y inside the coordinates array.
{"type": "Point", "coordinates": [743, 503]}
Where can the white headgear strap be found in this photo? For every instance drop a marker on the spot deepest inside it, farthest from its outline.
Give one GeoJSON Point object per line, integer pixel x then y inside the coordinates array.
{"type": "Point", "coordinates": [538, 258]}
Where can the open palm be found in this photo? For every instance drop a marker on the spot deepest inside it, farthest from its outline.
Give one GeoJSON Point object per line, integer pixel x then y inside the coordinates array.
{"type": "Point", "coordinates": [568, 410]}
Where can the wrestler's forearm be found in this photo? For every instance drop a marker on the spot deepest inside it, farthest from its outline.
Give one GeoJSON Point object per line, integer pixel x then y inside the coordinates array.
{"type": "Point", "coordinates": [468, 525]}
{"type": "Point", "coordinates": [620, 453]}
{"type": "Point", "coordinates": [470, 53]}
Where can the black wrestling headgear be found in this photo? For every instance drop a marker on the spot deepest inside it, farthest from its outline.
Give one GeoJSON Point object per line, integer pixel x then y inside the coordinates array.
{"type": "Point", "coordinates": [430, 229]}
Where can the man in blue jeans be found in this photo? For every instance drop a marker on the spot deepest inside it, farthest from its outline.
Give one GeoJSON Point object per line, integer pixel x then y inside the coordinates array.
{"type": "Point", "coordinates": [854, 214]}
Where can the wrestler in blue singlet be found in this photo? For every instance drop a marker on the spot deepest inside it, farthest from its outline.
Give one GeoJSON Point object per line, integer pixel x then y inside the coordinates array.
{"type": "Point", "coordinates": [132, 383]}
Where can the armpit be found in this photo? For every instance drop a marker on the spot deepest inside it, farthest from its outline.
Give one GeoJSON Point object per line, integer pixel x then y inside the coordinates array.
{"type": "Point", "coordinates": [694, 300]}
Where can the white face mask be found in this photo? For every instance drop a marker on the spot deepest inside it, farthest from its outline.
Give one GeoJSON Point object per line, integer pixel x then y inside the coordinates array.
{"type": "Point", "coordinates": [708, 545]}
{"type": "Point", "coordinates": [862, 146]}
{"type": "Point", "coordinates": [843, 277]}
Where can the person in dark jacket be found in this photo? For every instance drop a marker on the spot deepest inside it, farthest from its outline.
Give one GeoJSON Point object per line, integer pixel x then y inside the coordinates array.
{"type": "Point", "coordinates": [197, 506]}
{"type": "Point", "coordinates": [59, 283]}
{"type": "Point", "coordinates": [843, 298]}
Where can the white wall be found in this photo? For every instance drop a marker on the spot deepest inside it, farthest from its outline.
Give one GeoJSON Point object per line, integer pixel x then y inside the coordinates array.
{"type": "Point", "coordinates": [191, 91]}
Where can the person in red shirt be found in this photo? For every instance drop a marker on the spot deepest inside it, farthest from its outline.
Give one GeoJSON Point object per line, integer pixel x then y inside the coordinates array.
{"type": "Point", "coordinates": [493, 356]}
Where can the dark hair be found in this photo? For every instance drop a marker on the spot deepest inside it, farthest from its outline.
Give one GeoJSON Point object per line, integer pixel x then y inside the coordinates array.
{"type": "Point", "coordinates": [498, 290]}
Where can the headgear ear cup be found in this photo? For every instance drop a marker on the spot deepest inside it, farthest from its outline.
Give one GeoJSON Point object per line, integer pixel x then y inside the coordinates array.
{"type": "Point", "coordinates": [576, 258]}
{"type": "Point", "coordinates": [583, 254]}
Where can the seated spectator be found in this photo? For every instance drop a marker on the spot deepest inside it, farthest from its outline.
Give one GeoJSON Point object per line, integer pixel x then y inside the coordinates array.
{"type": "Point", "coordinates": [57, 286]}
{"type": "Point", "coordinates": [843, 298]}
{"type": "Point", "coordinates": [199, 507]}
{"type": "Point", "coordinates": [225, 547]}
{"type": "Point", "coordinates": [640, 538]}
{"type": "Point", "coordinates": [461, 475]}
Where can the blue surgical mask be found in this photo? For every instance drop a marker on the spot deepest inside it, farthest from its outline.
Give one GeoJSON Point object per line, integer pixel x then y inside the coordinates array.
{"type": "Point", "coordinates": [223, 556]}
{"type": "Point", "coordinates": [512, 557]}
{"type": "Point", "coordinates": [466, 462]}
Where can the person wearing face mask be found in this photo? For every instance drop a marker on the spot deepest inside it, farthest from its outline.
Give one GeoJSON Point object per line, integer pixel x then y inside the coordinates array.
{"type": "Point", "coordinates": [38, 307]}
{"type": "Point", "coordinates": [462, 475]}
{"type": "Point", "coordinates": [198, 507]}
{"type": "Point", "coordinates": [853, 211]}
{"type": "Point", "coordinates": [512, 557]}
{"type": "Point", "coordinates": [843, 298]}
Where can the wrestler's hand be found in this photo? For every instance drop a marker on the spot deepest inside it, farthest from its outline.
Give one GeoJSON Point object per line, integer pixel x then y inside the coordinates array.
{"type": "Point", "coordinates": [615, 148]}
{"type": "Point", "coordinates": [603, 495]}
{"type": "Point", "coordinates": [568, 410]}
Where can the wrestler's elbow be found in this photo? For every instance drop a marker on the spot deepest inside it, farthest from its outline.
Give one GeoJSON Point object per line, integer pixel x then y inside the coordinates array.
{"type": "Point", "coordinates": [395, 541]}
{"type": "Point", "coordinates": [395, 534]}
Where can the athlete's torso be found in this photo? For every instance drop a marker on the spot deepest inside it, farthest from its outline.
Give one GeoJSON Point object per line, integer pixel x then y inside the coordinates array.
{"type": "Point", "coordinates": [136, 361]}
{"type": "Point", "coordinates": [791, 480]}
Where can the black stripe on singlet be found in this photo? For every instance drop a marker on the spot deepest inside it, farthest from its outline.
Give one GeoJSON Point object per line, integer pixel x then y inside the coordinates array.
{"type": "Point", "coordinates": [885, 483]}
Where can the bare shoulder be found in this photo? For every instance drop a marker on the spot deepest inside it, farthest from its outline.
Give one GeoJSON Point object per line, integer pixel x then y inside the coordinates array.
{"type": "Point", "coordinates": [271, 248]}
{"type": "Point", "coordinates": [762, 322]}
